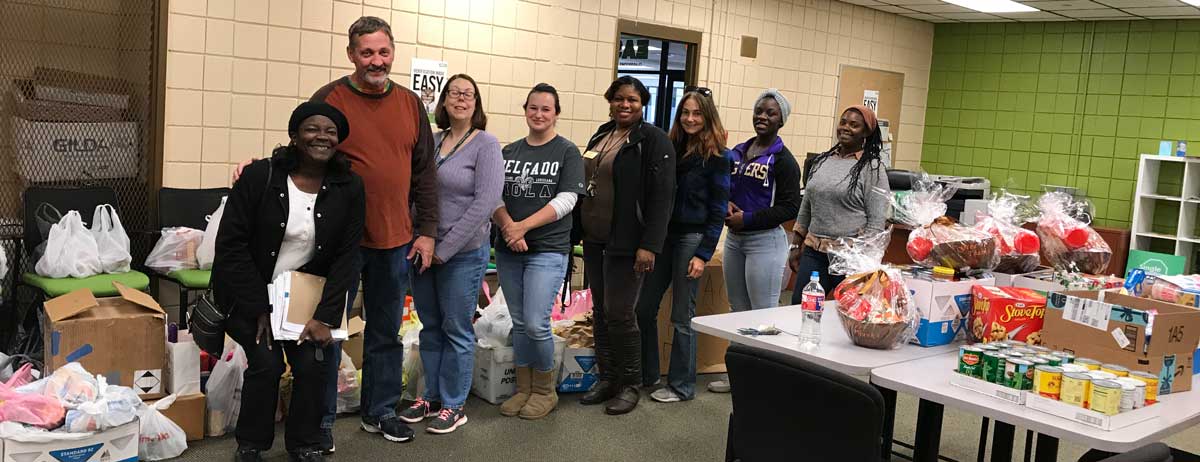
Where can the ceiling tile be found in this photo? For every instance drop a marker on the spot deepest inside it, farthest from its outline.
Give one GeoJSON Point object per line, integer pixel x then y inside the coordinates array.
{"type": "Point", "coordinates": [1034, 16]}
{"type": "Point", "coordinates": [940, 8]}
{"type": "Point", "coordinates": [1096, 14]}
{"type": "Point", "coordinates": [1064, 5]}
{"type": "Point", "coordinates": [1190, 16]}
{"type": "Point", "coordinates": [927, 17]}
{"type": "Point", "coordinates": [1138, 3]}
{"type": "Point", "coordinates": [893, 9]}
{"type": "Point", "coordinates": [1164, 11]}
{"type": "Point", "coordinates": [914, 2]}
{"type": "Point", "coordinates": [871, 3]}
{"type": "Point", "coordinates": [976, 16]}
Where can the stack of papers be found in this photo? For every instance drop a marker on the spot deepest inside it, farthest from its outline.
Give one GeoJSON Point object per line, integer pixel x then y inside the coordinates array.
{"type": "Point", "coordinates": [294, 299]}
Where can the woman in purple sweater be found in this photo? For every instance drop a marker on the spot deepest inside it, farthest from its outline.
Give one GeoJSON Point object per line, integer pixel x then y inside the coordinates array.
{"type": "Point", "coordinates": [470, 173]}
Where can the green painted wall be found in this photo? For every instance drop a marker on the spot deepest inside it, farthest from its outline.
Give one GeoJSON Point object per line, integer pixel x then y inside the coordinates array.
{"type": "Point", "coordinates": [1064, 103]}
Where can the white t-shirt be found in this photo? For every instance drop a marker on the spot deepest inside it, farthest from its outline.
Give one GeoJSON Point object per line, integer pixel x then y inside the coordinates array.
{"type": "Point", "coordinates": [300, 236]}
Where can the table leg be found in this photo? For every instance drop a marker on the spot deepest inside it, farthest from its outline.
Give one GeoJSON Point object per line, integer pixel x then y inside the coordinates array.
{"type": "Point", "coordinates": [983, 434]}
{"type": "Point", "coordinates": [1047, 449]}
{"type": "Point", "coordinates": [1002, 442]}
{"type": "Point", "coordinates": [889, 420]}
{"type": "Point", "coordinates": [1028, 444]}
{"type": "Point", "coordinates": [929, 432]}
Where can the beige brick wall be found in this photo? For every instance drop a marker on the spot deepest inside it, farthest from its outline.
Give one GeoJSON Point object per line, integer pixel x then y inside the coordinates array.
{"type": "Point", "coordinates": [236, 68]}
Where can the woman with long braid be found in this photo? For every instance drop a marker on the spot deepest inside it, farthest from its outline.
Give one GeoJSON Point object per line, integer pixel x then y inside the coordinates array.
{"type": "Point", "coordinates": [846, 196]}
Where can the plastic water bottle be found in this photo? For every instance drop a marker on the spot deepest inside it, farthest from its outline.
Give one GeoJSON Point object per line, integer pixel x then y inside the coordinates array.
{"type": "Point", "coordinates": [811, 301]}
{"type": "Point", "coordinates": [1182, 150]}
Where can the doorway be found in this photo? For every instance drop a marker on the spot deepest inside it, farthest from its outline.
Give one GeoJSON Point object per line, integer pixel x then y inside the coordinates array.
{"type": "Point", "coordinates": [664, 60]}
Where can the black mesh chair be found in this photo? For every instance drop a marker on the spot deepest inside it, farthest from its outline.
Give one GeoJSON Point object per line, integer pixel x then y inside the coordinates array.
{"type": "Point", "coordinates": [189, 208]}
{"type": "Point", "coordinates": [1156, 452]}
{"type": "Point", "coordinates": [786, 408]}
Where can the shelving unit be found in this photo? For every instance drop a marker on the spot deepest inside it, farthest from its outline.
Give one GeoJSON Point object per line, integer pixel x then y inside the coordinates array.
{"type": "Point", "coordinates": [1147, 198]}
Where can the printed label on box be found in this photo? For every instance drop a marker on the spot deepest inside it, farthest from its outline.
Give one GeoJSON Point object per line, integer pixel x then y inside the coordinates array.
{"type": "Point", "coordinates": [148, 381]}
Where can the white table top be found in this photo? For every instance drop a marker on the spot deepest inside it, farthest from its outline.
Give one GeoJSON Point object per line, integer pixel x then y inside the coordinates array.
{"type": "Point", "coordinates": [836, 351]}
{"type": "Point", "coordinates": [929, 379]}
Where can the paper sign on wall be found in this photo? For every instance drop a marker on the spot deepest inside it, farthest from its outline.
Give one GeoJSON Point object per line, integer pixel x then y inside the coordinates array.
{"type": "Point", "coordinates": [871, 99]}
{"type": "Point", "coordinates": [428, 80]}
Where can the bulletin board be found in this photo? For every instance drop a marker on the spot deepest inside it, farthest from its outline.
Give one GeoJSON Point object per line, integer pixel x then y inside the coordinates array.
{"type": "Point", "coordinates": [854, 81]}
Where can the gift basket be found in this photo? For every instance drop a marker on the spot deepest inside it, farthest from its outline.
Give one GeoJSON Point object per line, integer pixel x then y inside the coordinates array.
{"type": "Point", "coordinates": [1018, 247]}
{"type": "Point", "coordinates": [936, 240]}
{"type": "Point", "coordinates": [873, 303]}
{"type": "Point", "coordinates": [1067, 241]}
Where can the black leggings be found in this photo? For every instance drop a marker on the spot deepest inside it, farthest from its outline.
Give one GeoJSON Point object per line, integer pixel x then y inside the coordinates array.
{"type": "Point", "coordinates": [812, 260]}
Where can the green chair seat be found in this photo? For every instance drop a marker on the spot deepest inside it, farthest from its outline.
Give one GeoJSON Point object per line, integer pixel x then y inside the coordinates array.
{"type": "Point", "coordinates": [491, 266]}
{"type": "Point", "coordinates": [101, 285]}
{"type": "Point", "coordinates": [192, 278]}
{"type": "Point", "coordinates": [577, 251]}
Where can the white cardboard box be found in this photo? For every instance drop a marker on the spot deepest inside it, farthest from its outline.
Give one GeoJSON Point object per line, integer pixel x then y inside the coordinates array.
{"type": "Point", "coordinates": [579, 371]}
{"type": "Point", "coordinates": [57, 151]}
{"type": "Point", "coordinates": [944, 307]}
{"type": "Point", "coordinates": [183, 367]}
{"type": "Point", "coordinates": [1089, 417]}
{"type": "Point", "coordinates": [118, 444]}
{"type": "Point", "coordinates": [495, 377]}
{"type": "Point", "coordinates": [997, 391]}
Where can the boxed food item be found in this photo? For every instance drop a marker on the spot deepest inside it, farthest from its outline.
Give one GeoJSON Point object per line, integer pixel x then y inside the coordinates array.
{"type": "Point", "coordinates": [1116, 329]}
{"type": "Point", "coordinates": [1006, 313]}
{"type": "Point", "coordinates": [123, 338]}
{"type": "Point", "coordinates": [579, 371]}
{"type": "Point", "coordinates": [711, 298]}
{"type": "Point", "coordinates": [188, 413]}
{"type": "Point", "coordinates": [117, 444]}
{"type": "Point", "coordinates": [495, 378]}
{"type": "Point", "coordinates": [944, 306]}
{"type": "Point", "coordinates": [1184, 290]}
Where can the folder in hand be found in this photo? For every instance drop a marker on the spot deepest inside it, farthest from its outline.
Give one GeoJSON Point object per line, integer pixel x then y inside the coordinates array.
{"type": "Point", "coordinates": [295, 297]}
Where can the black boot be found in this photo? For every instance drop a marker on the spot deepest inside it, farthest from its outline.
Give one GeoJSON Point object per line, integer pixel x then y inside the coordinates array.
{"type": "Point", "coordinates": [627, 350]}
{"type": "Point", "coordinates": [606, 387]}
{"type": "Point", "coordinates": [247, 455]}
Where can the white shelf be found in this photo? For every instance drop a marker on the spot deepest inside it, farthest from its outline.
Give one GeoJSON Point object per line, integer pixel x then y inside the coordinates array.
{"type": "Point", "coordinates": [1160, 236]}
{"type": "Point", "coordinates": [1162, 198]}
{"type": "Point", "coordinates": [1147, 198]}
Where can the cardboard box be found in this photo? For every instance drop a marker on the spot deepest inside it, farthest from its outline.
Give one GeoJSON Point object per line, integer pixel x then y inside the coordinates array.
{"type": "Point", "coordinates": [1112, 328]}
{"type": "Point", "coordinates": [1044, 282]}
{"type": "Point", "coordinates": [118, 444]}
{"type": "Point", "coordinates": [579, 372]}
{"type": "Point", "coordinates": [1089, 417]}
{"type": "Point", "coordinates": [353, 346]}
{"type": "Point", "coordinates": [93, 150]}
{"type": "Point", "coordinates": [1006, 313]}
{"type": "Point", "coordinates": [997, 391]}
{"type": "Point", "coordinates": [1008, 280]}
{"type": "Point", "coordinates": [123, 338]}
{"type": "Point", "coordinates": [27, 107]}
{"type": "Point", "coordinates": [495, 378]}
{"type": "Point", "coordinates": [944, 307]}
{"type": "Point", "coordinates": [711, 298]}
{"type": "Point", "coordinates": [188, 413]}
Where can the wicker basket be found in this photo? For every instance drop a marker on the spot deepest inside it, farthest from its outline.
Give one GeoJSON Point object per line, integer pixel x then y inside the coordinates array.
{"type": "Point", "coordinates": [873, 335]}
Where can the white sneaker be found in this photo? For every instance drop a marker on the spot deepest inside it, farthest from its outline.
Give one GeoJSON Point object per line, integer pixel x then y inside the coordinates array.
{"type": "Point", "coordinates": [719, 386]}
{"type": "Point", "coordinates": [665, 395]}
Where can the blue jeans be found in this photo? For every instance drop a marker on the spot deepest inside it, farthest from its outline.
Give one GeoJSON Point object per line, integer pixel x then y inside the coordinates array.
{"type": "Point", "coordinates": [385, 282]}
{"type": "Point", "coordinates": [530, 282]}
{"type": "Point", "coordinates": [445, 296]}
{"type": "Point", "coordinates": [754, 264]}
{"type": "Point", "coordinates": [671, 269]}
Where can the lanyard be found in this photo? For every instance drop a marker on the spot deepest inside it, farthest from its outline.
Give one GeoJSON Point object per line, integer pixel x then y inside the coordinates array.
{"type": "Point", "coordinates": [441, 160]}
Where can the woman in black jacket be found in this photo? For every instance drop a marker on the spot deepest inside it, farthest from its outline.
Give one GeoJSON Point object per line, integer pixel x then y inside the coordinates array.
{"type": "Point", "coordinates": [630, 185]}
{"type": "Point", "coordinates": [301, 210]}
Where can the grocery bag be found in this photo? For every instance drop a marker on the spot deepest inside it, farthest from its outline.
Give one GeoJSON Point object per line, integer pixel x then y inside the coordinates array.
{"type": "Point", "coordinates": [225, 390]}
{"type": "Point", "coordinates": [159, 438]}
{"type": "Point", "coordinates": [348, 386]}
{"type": "Point", "coordinates": [175, 250]}
{"type": "Point", "coordinates": [111, 240]}
{"type": "Point", "coordinates": [208, 246]}
{"type": "Point", "coordinates": [114, 406]}
{"type": "Point", "coordinates": [494, 326]}
{"type": "Point", "coordinates": [30, 409]}
{"type": "Point", "coordinates": [70, 250]}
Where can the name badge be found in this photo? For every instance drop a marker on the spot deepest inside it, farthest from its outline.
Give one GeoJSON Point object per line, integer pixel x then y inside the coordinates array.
{"type": "Point", "coordinates": [590, 155]}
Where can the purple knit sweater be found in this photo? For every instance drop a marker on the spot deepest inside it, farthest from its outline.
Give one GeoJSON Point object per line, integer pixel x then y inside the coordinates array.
{"type": "Point", "coordinates": [469, 187]}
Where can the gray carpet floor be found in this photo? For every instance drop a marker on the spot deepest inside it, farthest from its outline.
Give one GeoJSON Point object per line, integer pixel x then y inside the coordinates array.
{"type": "Point", "coordinates": [688, 431]}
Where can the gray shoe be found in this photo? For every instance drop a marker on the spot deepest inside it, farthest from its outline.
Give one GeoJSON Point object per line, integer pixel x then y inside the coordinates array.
{"type": "Point", "coordinates": [719, 386]}
{"type": "Point", "coordinates": [447, 421]}
{"type": "Point", "coordinates": [665, 395]}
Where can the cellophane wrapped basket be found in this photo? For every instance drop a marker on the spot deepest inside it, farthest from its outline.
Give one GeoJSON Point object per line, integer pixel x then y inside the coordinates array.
{"type": "Point", "coordinates": [1068, 242]}
{"type": "Point", "coordinates": [936, 240]}
{"type": "Point", "coordinates": [873, 302]}
{"type": "Point", "coordinates": [1018, 246]}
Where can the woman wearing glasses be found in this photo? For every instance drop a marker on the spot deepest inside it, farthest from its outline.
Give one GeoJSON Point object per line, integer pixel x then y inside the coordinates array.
{"type": "Point", "coordinates": [470, 173]}
{"type": "Point", "coordinates": [629, 172]}
{"type": "Point", "coordinates": [701, 196]}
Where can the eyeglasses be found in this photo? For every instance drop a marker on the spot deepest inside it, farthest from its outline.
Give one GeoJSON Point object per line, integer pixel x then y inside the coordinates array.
{"type": "Point", "coordinates": [461, 94]}
{"type": "Point", "coordinates": [701, 90]}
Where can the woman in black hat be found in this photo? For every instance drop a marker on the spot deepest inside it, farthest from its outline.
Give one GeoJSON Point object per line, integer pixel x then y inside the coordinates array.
{"type": "Point", "coordinates": [301, 210]}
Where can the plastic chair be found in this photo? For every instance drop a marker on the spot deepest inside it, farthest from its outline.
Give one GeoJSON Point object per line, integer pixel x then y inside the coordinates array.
{"type": "Point", "coordinates": [187, 208]}
{"type": "Point", "coordinates": [1156, 452]}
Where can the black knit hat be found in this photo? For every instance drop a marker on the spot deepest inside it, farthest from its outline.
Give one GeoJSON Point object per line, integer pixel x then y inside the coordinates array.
{"type": "Point", "coordinates": [310, 108]}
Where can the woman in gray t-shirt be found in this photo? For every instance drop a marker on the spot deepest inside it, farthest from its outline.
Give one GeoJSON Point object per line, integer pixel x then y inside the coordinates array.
{"type": "Point", "coordinates": [543, 175]}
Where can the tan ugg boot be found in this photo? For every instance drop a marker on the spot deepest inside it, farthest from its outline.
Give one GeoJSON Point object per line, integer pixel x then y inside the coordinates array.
{"type": "Point", "coordinates": [544, 397]}
{"type": "Point", "coordinates": [513, 405]}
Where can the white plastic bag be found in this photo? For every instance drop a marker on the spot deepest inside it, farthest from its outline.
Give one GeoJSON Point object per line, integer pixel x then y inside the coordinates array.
{"type": "Point", "coordinates": [208, 246]}
{"type": "Point", "coordinates": [225, 391]}
{"type": "Point", "coordinates": [114, 406]}
{"type": "Point", "coordinates": [159, 438]}
{"type": "Point", "coordinates": [175, 250]}
{"type": "Point", "coordinates": [414, 380]}
{"type": "Point", "coordinates": [111, 240]}
{"type": "Point", "coordinates": [70, 250]}
{"type": "Point", "coordinates": [348, 386]}
{"type": "Point", "coordinates": [494, 326]}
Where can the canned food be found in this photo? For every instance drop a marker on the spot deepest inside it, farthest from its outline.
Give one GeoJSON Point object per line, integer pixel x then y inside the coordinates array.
{"type": "Point", "coordinates": [1019, 374]}
{"type": "Point", "coordinates": [1119, 371]}
{"type": "Point", "coordinates": [1025, 351]}
{"type": "Point", "coordinates": [1106, 397]}
{"type": "Point", "coordinates": [1040, 349]}
{"type": "Point", "coordinates": [1067, 358]}
{"type": "Point", "coordinates": [993, 366]}
{"type": "Point", "coordinates": [1075, 389]}
{"type": "Point", "coordinates": [1091, 364]}
{"type": "Point", "coordinates": [1138, 400]}
{"type": "Point", "coordinates": [1047, 381]}
{"type": "Point", "coordinates": [1014, 354]}
{"type": "Point", "coordinates": [1127, 396]}
{"type": "Point", "coordinates": [1073, 368]}
{"type": "Point", "coordinates": [1101, 375]}
{"type": "Point", "coordinates": [988, 347]}
{"type": "Point", "coordinates": [1052, 359]}
{"type": "Point", "coordinates": [1151, 381]}
{"type": "Point", "coordinates": [970, 361]}
{"type": "Point", "coordinates": [1038, 361]}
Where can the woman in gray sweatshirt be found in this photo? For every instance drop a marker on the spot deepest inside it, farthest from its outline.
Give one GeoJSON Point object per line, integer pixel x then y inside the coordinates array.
{"type": "Point", "coordinates": [470, 172]}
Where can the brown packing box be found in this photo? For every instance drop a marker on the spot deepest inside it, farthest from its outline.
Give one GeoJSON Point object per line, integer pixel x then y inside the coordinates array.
{"type": "Point", "coordinates": [353, 346]}
{"type": "Point", "coordinates": [710, 299]}
{"type": "Point", "coordinates": [123, 338]}
{"type": "Point", "coordinates": [1172, 345]}
{"type": "Point", "coordinates": [188, 413]}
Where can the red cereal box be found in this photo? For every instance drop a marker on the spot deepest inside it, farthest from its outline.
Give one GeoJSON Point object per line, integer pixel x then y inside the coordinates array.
{"type": "Point", "coordinates": [1007, 313]}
